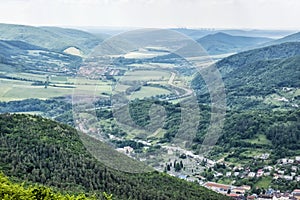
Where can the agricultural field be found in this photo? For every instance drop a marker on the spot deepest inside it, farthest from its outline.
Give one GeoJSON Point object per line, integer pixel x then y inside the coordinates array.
{"type": "Point", "coordinates": [22, 87]}
{"type": "Point", "coordinates": [147, 91]}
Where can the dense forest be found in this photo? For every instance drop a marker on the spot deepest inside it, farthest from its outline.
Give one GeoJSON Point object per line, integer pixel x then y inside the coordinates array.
{"type": "Point", "coordinates": [38, 150]}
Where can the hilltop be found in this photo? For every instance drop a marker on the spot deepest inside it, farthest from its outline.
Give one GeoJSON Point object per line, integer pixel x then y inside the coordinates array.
{"type": "Point", "coordinates": [295, 37]}
{"type": "Point", "coordinates": [53, 38]}
{"type": "Point", "coordinates": [221, 43]}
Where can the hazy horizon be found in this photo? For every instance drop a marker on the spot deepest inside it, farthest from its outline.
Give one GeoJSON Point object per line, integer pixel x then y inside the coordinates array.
{"type": "Point", "coordinates": [214, 14]}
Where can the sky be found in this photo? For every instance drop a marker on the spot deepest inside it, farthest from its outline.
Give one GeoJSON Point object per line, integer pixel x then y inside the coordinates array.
{"type": "Point", "coordinates": [252, 14]}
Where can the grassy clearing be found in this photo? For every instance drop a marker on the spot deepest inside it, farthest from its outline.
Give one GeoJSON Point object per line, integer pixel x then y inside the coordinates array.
{"type": "Point", "coordinates": [264, 182]}
{"type": "Point", "coordinates": [225, 180]}
{"type": "Point", "coordinates": [259, 139]}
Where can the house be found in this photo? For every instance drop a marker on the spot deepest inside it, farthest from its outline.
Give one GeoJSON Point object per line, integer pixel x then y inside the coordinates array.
{"type": "Point", "coordinates": [218, 174]}
{"type": "Point", "coordinates": [182, 176]}
{"type": "Point", "coordinates": [278, 196]}
{"type": "Point", "coordinates": [251, 174]}
{"type": "Point", "coordinates": [289, 178]}
{"type": "Point", "coordinates": [297, 158]}
{"type": "Point", "coordinates": [265, 156]}
{"type": "Point", "coordinates": [200, 177]}
{"type": "Point", "coordinates": [210, 163]}
{"type": "Point", "coordinates": [126, 150]}
{"type": "Point", "coordinates": [269, 168]}
{"type": "Point", "coordinates": [276, 176]}
{"type": "Point", "coordinates": [236, 173]}
{"type": "Point", "coordinates": [235, 196]}
{"type": "Point", "coordinates": [294, 168]}
{"type": "Point", "coordinates": [284, 161]}
{"type": "Point", "coordinates": [296, 191]}
{"type": "Point", "coordinates": [280, 172]}
{"type": "Point", "coordinates": [267, 173]}
{"type": "Point", "coordinates": [228, 174]}
{"type": "Point", "coordinates": [221, 188]}
{"type": "Point", "coordinates": [297, 178]}
{"type": "Point", "coordinates": [246, 187]}
{"type": "Point", "coordinates": [264, 197]}
{"type": "Point", "coordinates": [252, 197]}
{"type": "Point", "coordinates": [290, 161]}
{"type": "Point", "coordinates": [260, 173]}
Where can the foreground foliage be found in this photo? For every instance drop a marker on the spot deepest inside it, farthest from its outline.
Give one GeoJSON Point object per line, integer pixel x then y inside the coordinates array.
{"type": "Point", "coordinates": [42, 151]}
{"type": "Point", "coordinates": [9, 190]}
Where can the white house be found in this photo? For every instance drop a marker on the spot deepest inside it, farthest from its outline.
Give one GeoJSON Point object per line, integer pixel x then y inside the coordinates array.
{"type": "Point", "coordinates": [251, 174]}
{"type": "Point", "coordinates": [289, 178]}
{"type": "Point", "coordinates": [228, 174]}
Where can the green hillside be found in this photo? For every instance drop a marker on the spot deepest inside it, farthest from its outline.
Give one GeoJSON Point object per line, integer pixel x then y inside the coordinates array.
{"type": "Point", "coordinates": [222, 43]}
{"type": "Point", "coordinates": [262, 78]}
{"type": "Point", "coordinates": [38, 150]}
{"type": "Point", "coordinates": [10, 190]}
{"type": "Point", "coordinates": [53, 38]}
{"type": "Point", "coordinates": [18, 56]}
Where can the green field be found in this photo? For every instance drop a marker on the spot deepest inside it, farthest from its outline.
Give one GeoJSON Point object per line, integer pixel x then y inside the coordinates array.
{"type": "Point", "coordinates": [264, 182]}
{"type": "Point", "coordinates": [146, 75]}
{"type": "Point", "coordinates": [147, 91]}
{"type": "Point", "coordinates": [18, 90]}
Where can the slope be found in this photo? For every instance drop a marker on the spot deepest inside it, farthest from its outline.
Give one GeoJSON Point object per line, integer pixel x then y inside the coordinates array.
{"type": "Point", "coordinates": [24, 57]}
{"type": "Point", "coordinates": [221, 43]}
{"type": "Point", "coordinates": [265, 77]}
{"type": "Point", "coordinates": [290, 38]}
{"type": "Point", "coordinates": [43, 151]}
{"type": "Point", "coordinates": [53, 38]}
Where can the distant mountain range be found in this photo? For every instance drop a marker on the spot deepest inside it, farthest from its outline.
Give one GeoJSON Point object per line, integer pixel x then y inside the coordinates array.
{"type": "Point", "coordinates": [222, 43]}
{"type": "Point", "coordinates": [199, 33]}
{"type": "Point", "coordinates": [290, 38]}
{"type": "Point", "coordinates": [53, 38]}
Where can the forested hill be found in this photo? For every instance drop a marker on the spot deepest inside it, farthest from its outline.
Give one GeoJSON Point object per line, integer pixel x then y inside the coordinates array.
{"type": "Point", "coordinates": [262, 78]}
{"type": "Point", "coordinates": [290, 38]}
{"type": "Point", "coordinates": [53, 38]}
{"type": "Point", "coordinates": [38, 150]}
{"type": "Point", "coordinates": [221, 43]}
{"type": "Point", "coordinates": [19, 56]}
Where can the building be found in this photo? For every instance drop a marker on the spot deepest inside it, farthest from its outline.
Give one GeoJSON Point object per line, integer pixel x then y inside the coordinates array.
{"type": "Point", "coordinates": [236, 173]}
{"type": "Point", "coordinates": [251, 174]}
{"type": "Point", "coordinates": [220, 188]}
{"type": "Point", "coordinates": [260, 173]}
{"type": "Point", "coordinates": [228, 174]}
{"type": "Point", "coordinates": [296, 192]}
{"type": "Point", "coordinates": [289, 178]}
{"type": "Point", "coordinates": [294, 168]}
{"type": "Point", "coordinates": [264, 197]}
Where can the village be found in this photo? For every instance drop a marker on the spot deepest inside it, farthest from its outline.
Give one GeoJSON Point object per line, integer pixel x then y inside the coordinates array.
{"type": "Point", "coordinates": [211, 174]}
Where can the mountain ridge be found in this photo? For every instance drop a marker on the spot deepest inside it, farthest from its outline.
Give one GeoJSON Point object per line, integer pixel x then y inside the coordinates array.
{"type": "Point", "coordinates": [221, 43]}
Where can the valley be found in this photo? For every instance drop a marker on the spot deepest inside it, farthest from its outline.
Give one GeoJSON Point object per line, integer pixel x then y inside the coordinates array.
{"type": "Point", "coordinates": [134, 112]}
